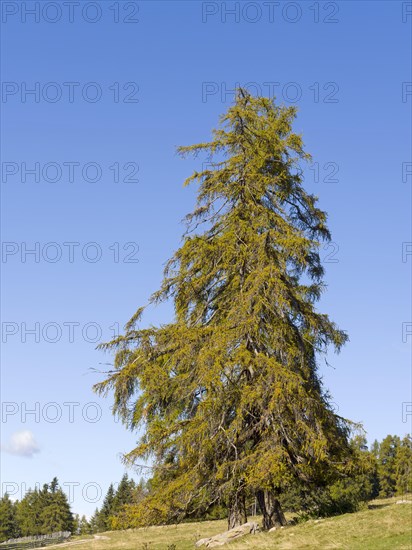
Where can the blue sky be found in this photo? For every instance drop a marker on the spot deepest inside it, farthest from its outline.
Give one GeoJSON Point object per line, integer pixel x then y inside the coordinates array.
{"type": "Point", "coordinates": [111, 102]}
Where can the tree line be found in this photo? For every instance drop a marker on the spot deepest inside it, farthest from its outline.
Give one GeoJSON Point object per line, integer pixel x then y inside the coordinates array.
{"type": "Point", "coordinates": [47, 510]}
{"type": "Point", "coordinates": [39, 512]}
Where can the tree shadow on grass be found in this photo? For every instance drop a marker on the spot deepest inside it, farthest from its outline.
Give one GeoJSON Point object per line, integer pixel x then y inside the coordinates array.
{"type": "Point", "coordinates": [377, 506]}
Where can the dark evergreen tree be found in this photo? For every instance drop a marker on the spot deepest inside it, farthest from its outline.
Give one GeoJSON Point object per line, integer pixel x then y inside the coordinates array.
{"type": "Point", "coordinates": [228, 394]}
{"type": "Point", "coordinates": [102, 518]}
{"type": "Point", "coordinates": [56, 516]}
{"type": "Point", "coordinates": [360, 482]}
{"type": "Point", "coordinates": [403, 466]}
{"type": "Point", "coordinates": [28, 512]}
{"type": "Point", "coordinates": [356, 484]}
{"type": "Point", "coordinates": [54, 485]}
{"type": "Point", "coordinates": [387, 465]}
{"type": "Point", "coordinates": [8, 522]}
{"type": "Point", "coordinates": [124, 494]}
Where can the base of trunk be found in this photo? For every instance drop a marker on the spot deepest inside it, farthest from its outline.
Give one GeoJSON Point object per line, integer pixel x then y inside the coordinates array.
{"type": "Point", "coordinates": [271, 510]}
{"type": "Point", "coordinates": [237, 512]}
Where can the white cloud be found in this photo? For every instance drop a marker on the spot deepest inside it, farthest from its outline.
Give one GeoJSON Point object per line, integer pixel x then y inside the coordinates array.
{"type": "Point", "coordinates": [22, 444]}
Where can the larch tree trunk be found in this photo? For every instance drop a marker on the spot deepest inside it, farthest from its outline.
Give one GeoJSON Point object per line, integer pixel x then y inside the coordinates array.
{"type": "Point", "coordinates": [271, 509]}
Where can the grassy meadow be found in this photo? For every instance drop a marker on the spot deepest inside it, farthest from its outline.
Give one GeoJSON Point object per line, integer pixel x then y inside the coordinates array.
{"type": "Point", "coordinates": [383, 525]}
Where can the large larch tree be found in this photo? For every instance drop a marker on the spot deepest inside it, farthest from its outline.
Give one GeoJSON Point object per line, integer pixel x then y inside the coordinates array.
{"type": "Point", "coordinates": [228, 394]}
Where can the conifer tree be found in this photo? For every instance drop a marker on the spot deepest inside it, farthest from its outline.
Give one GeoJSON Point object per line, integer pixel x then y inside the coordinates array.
{"type": "Point", "coordinates": [56, 515]}
{"type": "Point", "coordinates": [388, 450]}
{"type": "Point", "coordinates": [84, 526]}
{"type": "Point", "coordinates": [101, 520]}
{"type": "Point", "coordinates": [28, 512]}
{"type": "Point", "coordinates": [94, 522]}
{"type": "Point", "coordinates": [52, 519]}
{"type": "Point", "coordinates": [54, 485]}
{"type": "Point", "coordinates": [124, 494]}
{"type": "Point", "coordinates": [403, 466]}
{"type": "Point", "coordinates": [8, 522]}
{"type": "Point", "coordinates": [228, 393]}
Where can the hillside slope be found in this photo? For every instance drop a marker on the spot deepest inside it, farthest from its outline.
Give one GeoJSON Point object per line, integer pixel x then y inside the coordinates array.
{"type": "Point", "coordinates": [383, 526]}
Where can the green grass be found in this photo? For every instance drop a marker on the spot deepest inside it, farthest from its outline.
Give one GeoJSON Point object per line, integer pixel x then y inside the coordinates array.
{"type": "Point", "coordinates": [384, 525]}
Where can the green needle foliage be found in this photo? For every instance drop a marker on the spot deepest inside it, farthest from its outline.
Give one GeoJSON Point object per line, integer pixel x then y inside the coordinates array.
{"type": "Point", "coordinates": [228, 395]}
